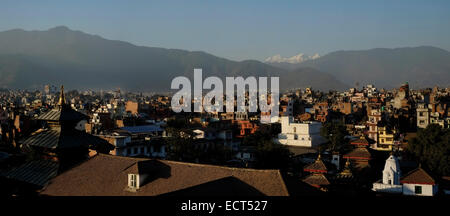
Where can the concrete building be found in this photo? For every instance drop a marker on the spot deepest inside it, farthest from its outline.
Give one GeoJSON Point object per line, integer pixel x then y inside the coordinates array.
{"type": "Point", "coordinates": [372, 124]}
{"type": "Point", "coordinates": [306, 134]}
{"type": "Point", "coordinates": [423, 115]}
{"type": "Point", "coordinates": [401, 99]}
{"type": "Point", "coordinates": [435, 119]}
{"type": "Point", "coordinates": [386, 138]}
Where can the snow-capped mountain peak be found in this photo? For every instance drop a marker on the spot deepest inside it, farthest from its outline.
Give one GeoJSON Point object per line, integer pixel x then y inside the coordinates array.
{"type": "Point", "coordinates": [301, 57]}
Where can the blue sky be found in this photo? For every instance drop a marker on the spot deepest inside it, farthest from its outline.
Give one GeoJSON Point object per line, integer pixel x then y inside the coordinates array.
{"type": "Point", "coordinates": [241, 30]}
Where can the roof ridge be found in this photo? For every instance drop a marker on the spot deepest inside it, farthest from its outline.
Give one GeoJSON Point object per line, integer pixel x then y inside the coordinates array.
{"type": "Point", "coordinates": [210, 165]}
{"type": "Point", "coordinates": [122, 157]}
{"type": "Point", "coordinates": [417, 170]}
{"type": "Point", "coordinates": [186, 163]}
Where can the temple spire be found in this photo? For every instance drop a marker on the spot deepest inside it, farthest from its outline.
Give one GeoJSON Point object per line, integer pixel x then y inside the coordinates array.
{"type": "Point", "coordinates": [62, 98]}
{"type": "Point", "coordinates": [347, 170]}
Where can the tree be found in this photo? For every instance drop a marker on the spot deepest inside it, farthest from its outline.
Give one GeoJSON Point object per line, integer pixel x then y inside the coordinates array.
{"type": "Point", "coordinates": [272, 156]}
{"type": "Point", "coordinates": [269, 155]}
{"type": "Point", "coordinates": [182, 146]}
{"type": "Point", "coordinates": [431, 147]}
{"type": "Point", "coordinates": [335, 134]}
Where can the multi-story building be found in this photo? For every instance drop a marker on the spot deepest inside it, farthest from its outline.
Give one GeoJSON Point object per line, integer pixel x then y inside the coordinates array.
{"type": "Point", "coordinates": [306, 134]}
{"type": "Point", "coordinates": [423, 115]}
{"type": "Point", "coordinates": [435, 119]}
{"type": "Point", "coordinates": [386, 138]}
{"type": "Point", "coordinates": [372, 124]}
{"type": "Point", "coordinates": [321, 111]}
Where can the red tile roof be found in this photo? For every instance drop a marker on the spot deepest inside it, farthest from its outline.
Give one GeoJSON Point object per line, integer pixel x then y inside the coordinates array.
{"type": "Point", "coordinates": [106, 175]}
{"type": "Point", "coordinates": [361, 141]}
{"type": "Point", "coordinates": [417, 176]}
{"type": "Point", "coordinates": [317, 167]}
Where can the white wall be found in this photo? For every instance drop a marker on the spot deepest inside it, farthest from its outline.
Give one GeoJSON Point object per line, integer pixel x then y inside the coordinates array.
{"type": "Point", "coordinates": [379, 187]}
{"type": "Point", "coordinates": [300, 134]}
{"type": "Point", "coordinates": [427, 190]}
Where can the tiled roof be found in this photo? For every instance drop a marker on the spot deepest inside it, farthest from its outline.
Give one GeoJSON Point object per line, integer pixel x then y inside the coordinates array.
{"type": "Point", "coordinates": [360, 141]}
{"type": "Point", "coordinates": [298, 150]}
{"type": "Point", "coordinates": [358, 153]}
{"type": "Point", "coordinates": [34, 172]}
{"type": "Point", "coordinates": [63, 114]}
{"type": "Point", "coordinates": [228, 186]}
{"type": "Point", "coordinates": [55, 138]}
{"type": "Point", "coordinates": [417, 176]}
{"type": "Point", "coordinates": [316, 179]}
{"type": "Point", "coordinates": [317, 166]}
{"type": "Point", "coordinates": [106, 175]}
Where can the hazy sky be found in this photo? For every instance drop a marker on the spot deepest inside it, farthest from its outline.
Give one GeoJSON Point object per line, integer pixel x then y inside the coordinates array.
{"type": "Point", "coordinates": [242, 29]}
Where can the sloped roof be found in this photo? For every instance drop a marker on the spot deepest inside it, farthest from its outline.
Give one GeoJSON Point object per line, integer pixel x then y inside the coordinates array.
{"type": "Point", "coordinates": [317, 166]}
{"type": "Point", "coordinates": [37, 172]}
{"type": "Point", "coordinates": [63, 114]}
{"type": "Point", "coordinates": [358, 153]}
{"type": "Point", "coordinates": [417, 176]}
{"type": "Point", "coordinates": [106, 175]}
{"type": "Point", "coordinates": [228, 186]}
{"type": "Point", "coordinates": [361, 141]}
{"type": "Point", "coordinates": [55, 138]}
{"type": "Point", "coordinates": [316, 179]}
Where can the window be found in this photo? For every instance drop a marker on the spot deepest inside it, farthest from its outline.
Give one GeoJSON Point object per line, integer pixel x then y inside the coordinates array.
{"type": "Point", "coordinates": [418, 189]}
{"type": "Point", "coordinates": [295, 130]}
{"type": "Point", "coordinates": [132, 180]}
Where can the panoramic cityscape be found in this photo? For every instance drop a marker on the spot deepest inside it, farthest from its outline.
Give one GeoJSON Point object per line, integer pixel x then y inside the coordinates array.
{"type": "Point", "coordinates": [112, 114]}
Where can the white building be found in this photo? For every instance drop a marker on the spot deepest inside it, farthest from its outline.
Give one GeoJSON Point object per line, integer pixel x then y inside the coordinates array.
{"type": "Point", "coordinates": [391, 177]}
{"type": "Point", "coordinates": [306, 134]}
{"type": "Point", "coordinates": [419, 183]}
{"type": "Point", "coordinates": [435, 119]}
{"type": "Point", "coordinates": [416, 182]}
{"type": "Point", "coordinates": [423, 115]}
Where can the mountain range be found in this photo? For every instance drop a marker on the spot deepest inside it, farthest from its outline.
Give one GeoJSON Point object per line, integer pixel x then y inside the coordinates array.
{"type": "Point", "coordinates": [31, 59]}
{"type": "Point", "coordinates": [423, 66]}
